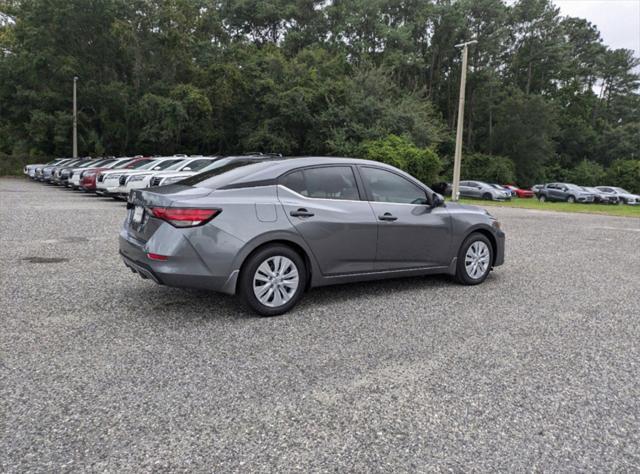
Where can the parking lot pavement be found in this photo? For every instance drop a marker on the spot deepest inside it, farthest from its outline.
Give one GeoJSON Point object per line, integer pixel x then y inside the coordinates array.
{"type": "Point", "coordinates": [537, 369]}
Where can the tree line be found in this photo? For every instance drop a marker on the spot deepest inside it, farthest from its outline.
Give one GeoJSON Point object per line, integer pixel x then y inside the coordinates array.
{"type": "Point", "coordinates": [546, 98]}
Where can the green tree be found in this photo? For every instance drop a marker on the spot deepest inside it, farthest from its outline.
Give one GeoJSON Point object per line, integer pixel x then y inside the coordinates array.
{"type": "Point", "coordinates": [423, 163]}
{"type": "Point", "coordinates": [488, 168]}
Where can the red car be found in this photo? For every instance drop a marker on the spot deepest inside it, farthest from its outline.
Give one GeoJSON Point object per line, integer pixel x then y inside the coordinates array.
{"type": "Point", "coordinates": [88, 179]}
{"type": "Point", "coordinates": [521, 193]}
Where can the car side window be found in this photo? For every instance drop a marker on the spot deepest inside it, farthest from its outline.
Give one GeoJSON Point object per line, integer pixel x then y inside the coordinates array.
{"type": "Point", "coordinates": [331, 182]}
{"type": "Point", "coordinates": [390, 187]}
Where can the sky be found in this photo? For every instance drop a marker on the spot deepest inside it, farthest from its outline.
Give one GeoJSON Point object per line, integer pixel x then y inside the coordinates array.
{"type": "Point", "coordinates": [617, 20]}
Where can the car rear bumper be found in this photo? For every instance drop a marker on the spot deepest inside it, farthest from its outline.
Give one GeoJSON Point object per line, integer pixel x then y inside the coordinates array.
{"type": "Point", "coordinates": [183, 268]}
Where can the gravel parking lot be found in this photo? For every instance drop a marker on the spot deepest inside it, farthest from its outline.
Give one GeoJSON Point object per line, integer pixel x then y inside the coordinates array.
{"type": "Point", "coordinates": [537, 369]}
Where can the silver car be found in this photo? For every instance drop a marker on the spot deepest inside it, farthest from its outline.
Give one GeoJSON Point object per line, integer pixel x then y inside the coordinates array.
{"type": "Point", "coordinates": [269, 229]}
{"type": "Point", "coordinates": [481, 190]}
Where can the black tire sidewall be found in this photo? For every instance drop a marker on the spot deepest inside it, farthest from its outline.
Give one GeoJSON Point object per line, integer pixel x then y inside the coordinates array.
{"type": "Point", "coordinates": [487, 197]}
{"type": "Point", "coordinates": [248, 271]}
{"type": "Point", "coordinates": [461, 271]}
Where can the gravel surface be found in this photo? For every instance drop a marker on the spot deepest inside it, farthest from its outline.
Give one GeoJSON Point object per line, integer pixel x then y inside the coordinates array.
{"type": "Point", "coordinates": [536, 369]}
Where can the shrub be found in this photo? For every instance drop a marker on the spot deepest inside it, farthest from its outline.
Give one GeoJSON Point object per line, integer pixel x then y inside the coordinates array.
{"type": "Point", "coordinates": [423, 163]}
{"type": "Point", "coordinates": [626, 174]}
{"type": "Point", "coordinates": [587, 173]}
{"type": "Point", "coordinates": [488, 168]}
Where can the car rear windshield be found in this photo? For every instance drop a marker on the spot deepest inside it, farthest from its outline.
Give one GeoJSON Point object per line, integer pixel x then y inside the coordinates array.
{"type": "Point", "coordinates": [224, 171]}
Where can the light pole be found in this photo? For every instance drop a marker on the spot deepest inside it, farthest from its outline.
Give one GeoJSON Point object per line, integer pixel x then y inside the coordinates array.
{"type": "Point", "coordinates": [75, 119]}
{"type": "Point", "coordinates": [455, 192]}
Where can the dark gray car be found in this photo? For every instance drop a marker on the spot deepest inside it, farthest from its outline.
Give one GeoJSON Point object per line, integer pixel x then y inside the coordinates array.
{"type": "Point", "coordinates": [268, 230]}
{"type": "Point", "coordinates": [565, 192]}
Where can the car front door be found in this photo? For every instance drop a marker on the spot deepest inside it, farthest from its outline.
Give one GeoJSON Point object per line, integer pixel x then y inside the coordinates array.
{"type": "Point", "coordinates": [411, 234]}
{"type": "Point", "coordinates": [466, 189]}
{"type": "Point", "coordinates": [324, 205]}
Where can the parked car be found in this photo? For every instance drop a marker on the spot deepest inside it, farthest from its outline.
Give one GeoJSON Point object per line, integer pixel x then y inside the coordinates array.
{"type": "Point", "coordinates": [63, 175]}
{"type": "Point", "coordinates": [481, 190]}
{"type": "Point", "coordinates": [267, 230]}
{"type": "Point", "coordinates": [187, 166]}
{"type": "Point", "coordinates": [118, 189]}
{"type": "Point", "coordinates": [86, 179]}
{"type": "Point", "coordinates": [536, 188]}
{"type": "Point", "coordinates": [443, 188]}
{"type": "Point", "coordinates": [500, 187]}
{"type": "Point", "coordinates": [600, 197]}
{"type": "Point", "coordinates": [30, 170]}
{"type": "Point", "coordinates": [44, 173]}
{"type": "Point", "coordinates": [565, 192]}
{"type": "Point", "coordinates": [518, 192]}
{"type": "Point", "coordinates": [624, 196]}
{"type": "Point", "coordinates": [109, 178]}
{"type": "Point", "coordinates": [55, 176]}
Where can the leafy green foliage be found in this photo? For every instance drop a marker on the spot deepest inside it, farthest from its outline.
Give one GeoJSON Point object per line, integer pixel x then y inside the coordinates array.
{"type": "Point", "coordinates": [317, 77]}
{"type": "Point", "coordinates": [587, 173]}
{"type": "Point", "coordinates": [488, 168]}
{"type": "Point", "coordinates": [626, 174]}
{"type": "Point", "coordinates": [400, 152]}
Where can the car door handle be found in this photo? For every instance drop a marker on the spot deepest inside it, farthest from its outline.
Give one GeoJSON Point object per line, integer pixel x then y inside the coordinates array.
{"type": "Point", "coordinates": [301, 213]}
{"type": "Point", "coordinates": [387, 217]}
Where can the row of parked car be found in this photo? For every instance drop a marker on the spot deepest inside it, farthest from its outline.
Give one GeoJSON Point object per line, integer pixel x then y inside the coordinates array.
{"type": "Point", "coordinates": [561, 192]}
{"type": "Point", "coordinates": [116, 177]}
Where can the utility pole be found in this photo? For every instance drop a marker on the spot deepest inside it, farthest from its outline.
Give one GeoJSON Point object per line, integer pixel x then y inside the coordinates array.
{"type": "Point", "coordinates": [75, 119]}
{"type": "Point", "coordinates": [455, 192]}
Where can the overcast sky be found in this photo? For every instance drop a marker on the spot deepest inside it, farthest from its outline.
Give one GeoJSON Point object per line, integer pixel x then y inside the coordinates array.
{"type": "Point", "coordinates": [617, 20]}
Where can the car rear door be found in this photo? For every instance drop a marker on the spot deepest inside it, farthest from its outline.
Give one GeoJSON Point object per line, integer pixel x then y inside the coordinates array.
{"type": "Point", "coordinates": [324, 204]}
{"type": "Point", "coordinates": [411, 234]}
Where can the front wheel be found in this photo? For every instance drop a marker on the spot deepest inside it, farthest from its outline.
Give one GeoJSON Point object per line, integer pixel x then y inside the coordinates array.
{"type": "Point", "coordinates": [474, 260]}
{"type": "Point", "coordinates": [487, 197]}
{"type": "Point", "coordinates": [571, 199]}
{"type": "Point", "coordinates": [272, 280]}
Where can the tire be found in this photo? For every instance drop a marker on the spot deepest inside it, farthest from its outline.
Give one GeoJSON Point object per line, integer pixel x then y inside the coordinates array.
{"type": "Point", "coordinates": [464, 273]}
{"type": "Point", "coordinates": [487, 197]}
{"type": "Point", "coordinates": [261, 269]}
{"type": "Point", "coordinates": [542, 198]}
{"type": "Point", "coordinates": [571, 199]}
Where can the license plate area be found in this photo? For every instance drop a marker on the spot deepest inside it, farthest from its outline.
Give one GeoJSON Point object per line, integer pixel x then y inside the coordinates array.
{"type": "Point", "coordinates": [138, 215]}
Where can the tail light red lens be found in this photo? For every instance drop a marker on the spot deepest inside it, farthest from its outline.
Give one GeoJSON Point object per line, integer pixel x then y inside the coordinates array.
{"type": "Point", "coordinates": [155, 256]}
{"type": "Point", "coordinates": [184, 217]}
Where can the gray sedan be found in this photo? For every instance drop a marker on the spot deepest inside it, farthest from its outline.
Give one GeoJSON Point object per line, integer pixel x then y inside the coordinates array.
{"type": "Point", "coordinates": [269, 229]}
{"type": "Point", "coordinates": [481, 190]}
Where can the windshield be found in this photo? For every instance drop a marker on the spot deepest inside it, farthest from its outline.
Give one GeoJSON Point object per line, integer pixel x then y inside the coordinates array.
{"type": "Point", "coordinates": [121, 164]}
{"type": "Point", "coordinates": [176, 166]}
{"type": "Point", "coordinates": [623, 191]}
{"type": "Point", "coordinates": [209, 177]}
{"type": "Point", "coordinates": [198, 165]}
{"type": "Point", "coordinates": [574, 187]}
{"type": "Point", "coordinates": [163, 165]}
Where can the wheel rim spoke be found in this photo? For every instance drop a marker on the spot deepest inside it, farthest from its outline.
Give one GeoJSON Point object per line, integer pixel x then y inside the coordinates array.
{"type": "Point", "coordinates": [276, 281]}
{"type": "Point", "coordinates": [476, 260]}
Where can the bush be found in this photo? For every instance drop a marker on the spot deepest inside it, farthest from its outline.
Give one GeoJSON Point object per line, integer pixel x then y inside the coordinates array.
{"type": "Point", "coordinates": [488, 168]}
{"type": "Point", "coordinates": [12, 165]}
{"type": "Point", "coordinates": [423, 163]}
{"type": "Point", "coordinates": [626, 174]}
{"type": "Point", "coordinates": [587, 173]}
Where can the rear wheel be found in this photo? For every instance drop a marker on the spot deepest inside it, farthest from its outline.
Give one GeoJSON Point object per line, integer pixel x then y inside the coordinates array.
{"type": "Point", "coordinates": [474, 260]}
{"type": "Point", "coordinates": [272, 280]}
{"type": "Point", "coordinates": [542, 198]}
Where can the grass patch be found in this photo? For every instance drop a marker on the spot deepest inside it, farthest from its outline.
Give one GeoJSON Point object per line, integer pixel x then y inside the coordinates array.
{"type": "Point", "coordinates": [622, 210]}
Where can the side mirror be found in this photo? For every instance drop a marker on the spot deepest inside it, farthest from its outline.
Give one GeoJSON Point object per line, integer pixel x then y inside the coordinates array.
{"type": "Point", "coordinates": [437, 200]}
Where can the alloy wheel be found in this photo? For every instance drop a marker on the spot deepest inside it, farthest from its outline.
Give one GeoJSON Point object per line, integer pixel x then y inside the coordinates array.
{"type": "Point", "coordinates": [276, 281]}
{"type": "Point", "coordinates": [476, 260]}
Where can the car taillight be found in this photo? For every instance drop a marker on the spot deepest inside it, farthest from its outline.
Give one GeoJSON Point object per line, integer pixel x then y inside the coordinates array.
{"type": "Point", "coordinates": [184, 217]}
